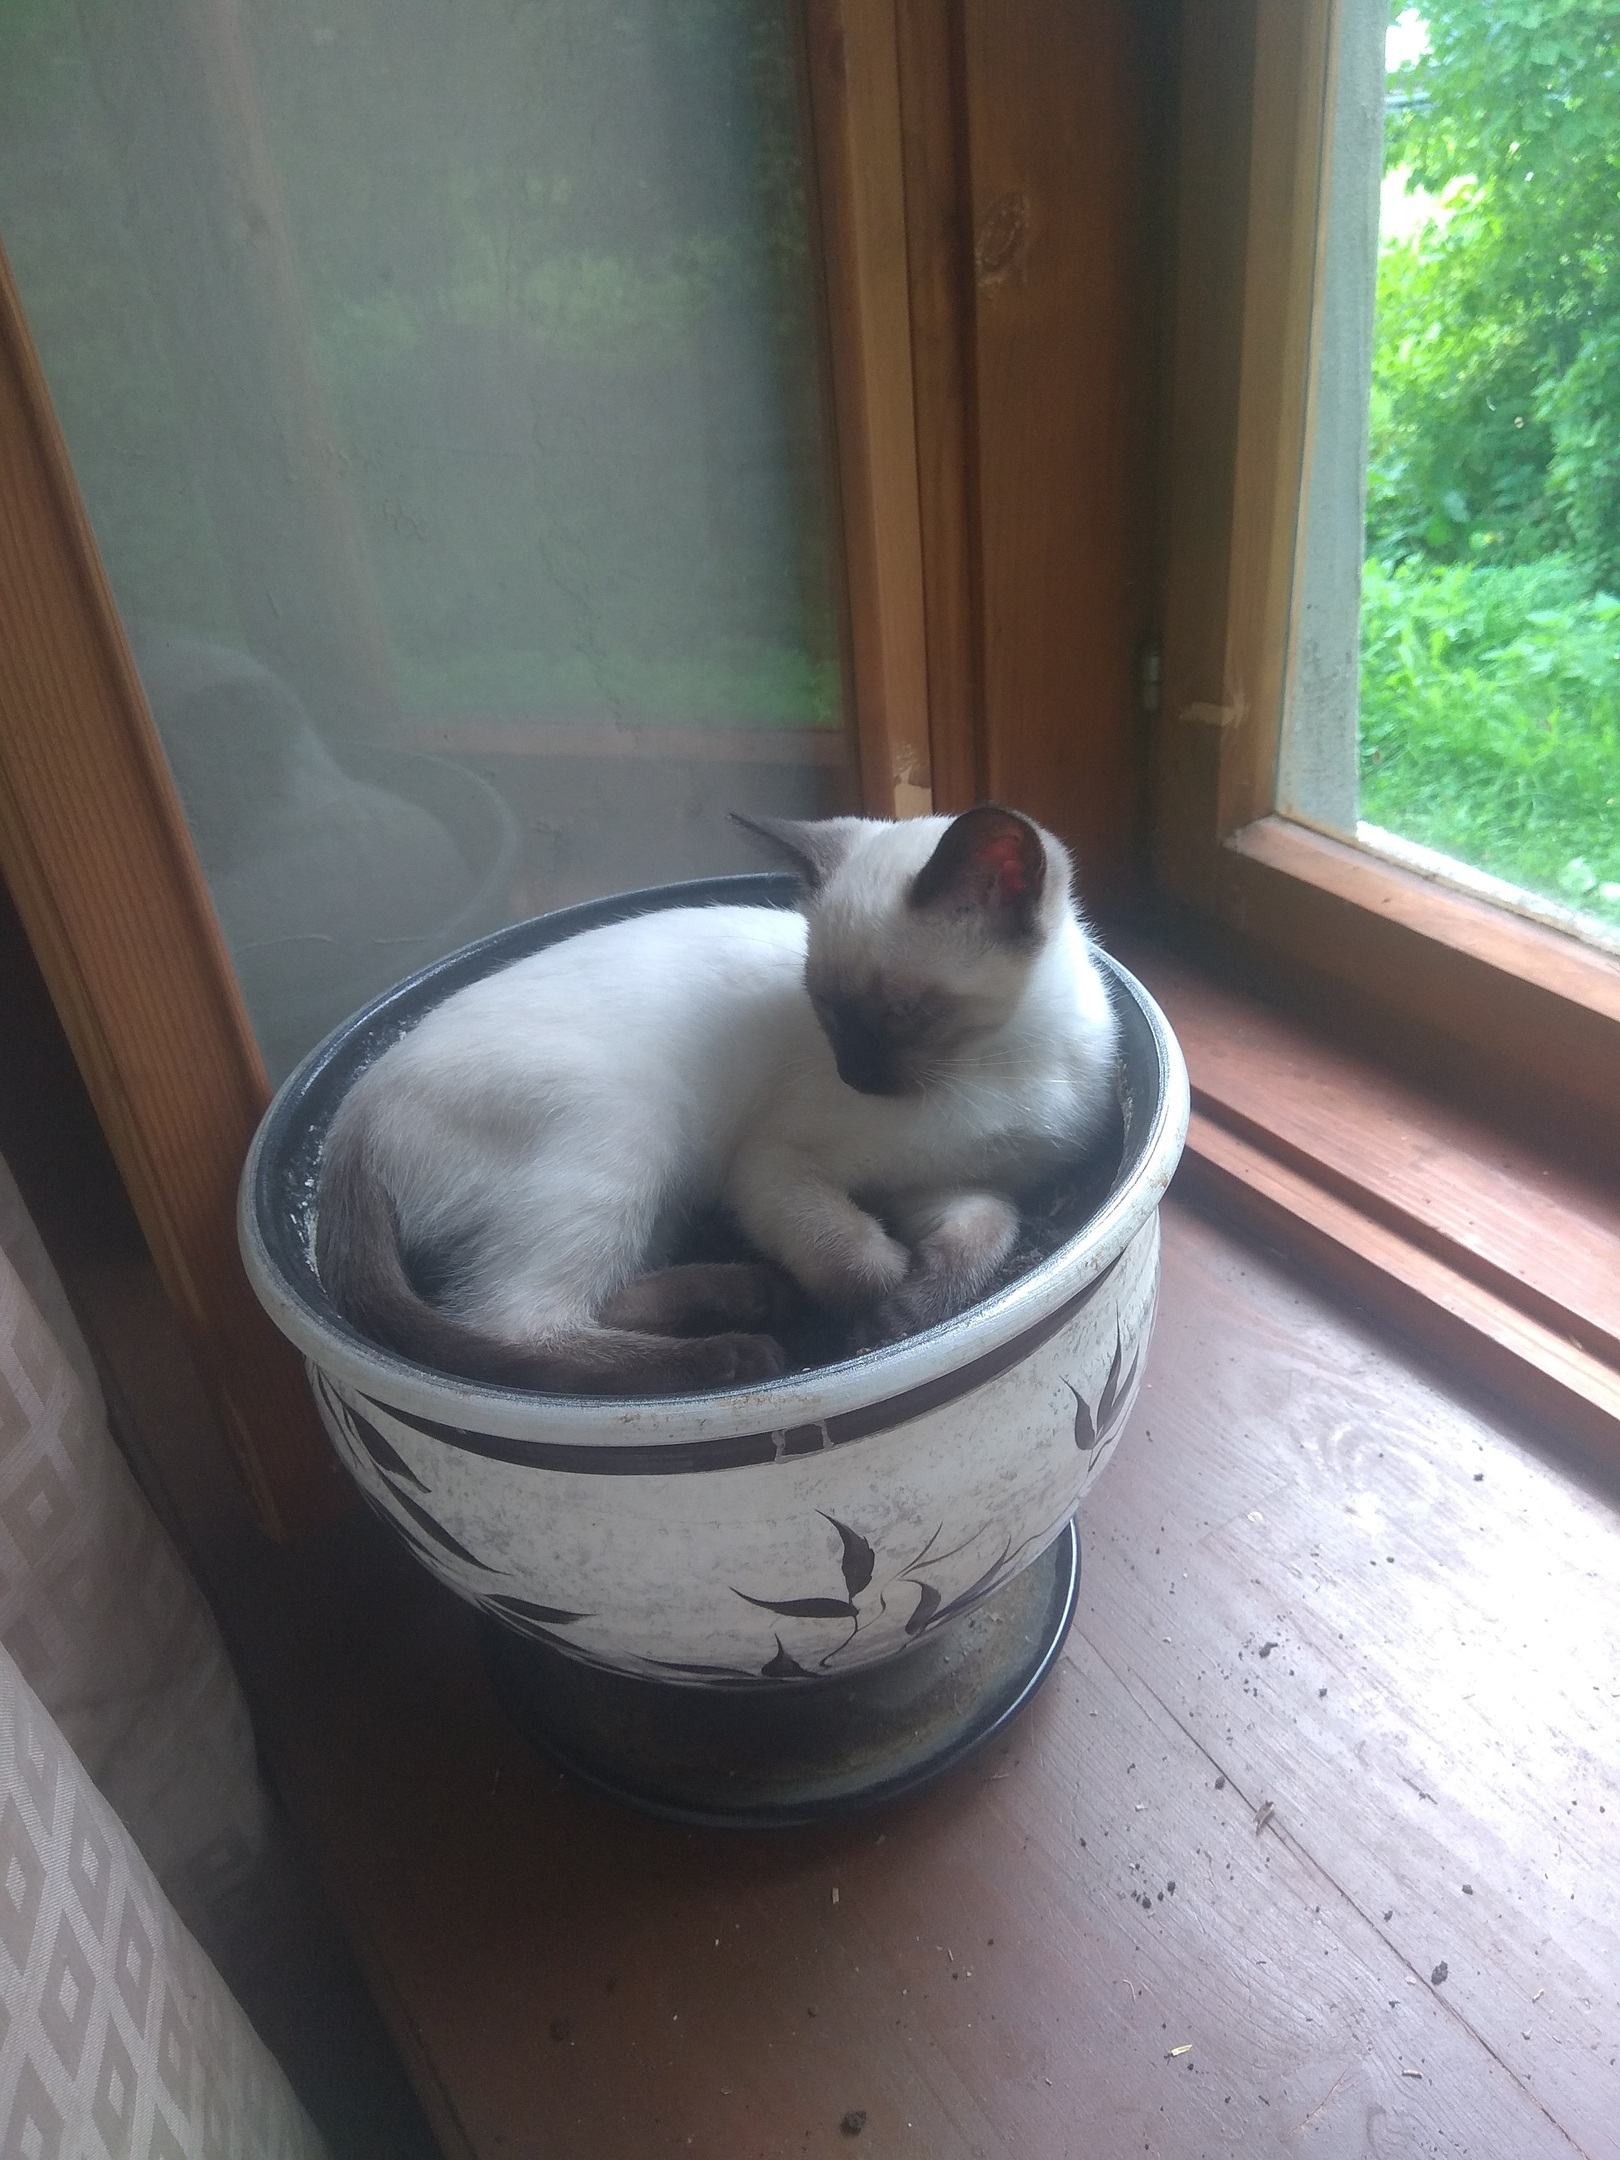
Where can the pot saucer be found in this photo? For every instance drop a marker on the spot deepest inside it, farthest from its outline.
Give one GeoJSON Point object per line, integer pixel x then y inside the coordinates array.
{"type": "Point", "coordinates": [793, 1752]}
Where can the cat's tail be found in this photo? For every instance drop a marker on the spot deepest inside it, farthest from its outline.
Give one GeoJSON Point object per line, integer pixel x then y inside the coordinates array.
{"type": "Point", "coordinates": [361, 1265]}
{"type": "Point", "coordinates": [362, 1268]}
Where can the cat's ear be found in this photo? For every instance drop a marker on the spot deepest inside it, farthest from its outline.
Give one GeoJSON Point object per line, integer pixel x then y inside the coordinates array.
{"type": "Point", "coordinates": [990, 863]}
{"type": "Point", "coordinates": [814, 847]}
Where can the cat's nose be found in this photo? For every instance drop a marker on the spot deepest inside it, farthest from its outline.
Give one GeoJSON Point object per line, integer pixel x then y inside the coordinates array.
{"type": "Point", "coordinates": [864, 1060]}
{"type": "Point", "coordinates": [867, 1075]}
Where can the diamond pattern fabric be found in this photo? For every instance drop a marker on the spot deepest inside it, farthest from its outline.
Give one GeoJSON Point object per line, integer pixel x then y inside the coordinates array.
{"type": "Point", "coordinates": [117, 2036]}
{"type": "Point", "coordinates": [118, 2040]}
{"type": "Point", "coordinates": [101, 1614]}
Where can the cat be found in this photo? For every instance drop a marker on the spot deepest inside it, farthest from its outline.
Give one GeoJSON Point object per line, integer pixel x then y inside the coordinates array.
{"type": "Point", "coordinates": [865, 1086]}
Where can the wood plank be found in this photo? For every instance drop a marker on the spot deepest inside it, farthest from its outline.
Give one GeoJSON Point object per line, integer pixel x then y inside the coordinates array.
{"type": "Point", "coordinates": [1520, 994]}
{"type": "Point", "coordinates": [1532, 1366]}
{"type": "Point", "coordinates": [1507, 1209]}
{"type": "Point", "coordinates": [1452, 1590]}
{"type": "Point", "coordinates": [1281, 303]}
{"type": "Point", "coordinates": [939, 260]}
{"type": "Point", "coordinates": [853, 71]}
{"type": "Point", "coordinates": [1064, 150]}
{"type": "Point", "coordinates": [94, 849]}
{"type": "Point", "coordinates": [572, 1979]}
{"type": "Point", "coordinates": [1214, 124]}
{"type": "Point", "coordinates": [1254, 83]}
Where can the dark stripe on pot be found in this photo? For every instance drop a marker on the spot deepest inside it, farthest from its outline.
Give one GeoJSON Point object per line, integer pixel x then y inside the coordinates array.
{"type": "Point", "coordinates": [670, 1458]}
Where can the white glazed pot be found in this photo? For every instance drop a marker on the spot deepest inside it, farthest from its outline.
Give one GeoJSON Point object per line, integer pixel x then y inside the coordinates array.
{"type": "Point", "coordinates": [807, 1526]}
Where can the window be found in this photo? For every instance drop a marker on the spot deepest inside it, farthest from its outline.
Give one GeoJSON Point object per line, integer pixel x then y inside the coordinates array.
{"type": "Point", "coordinates": [1466, 282]}
{"type": "Point", "coordinates": [443, 386]}
{"type": "Point", "coordinates": [1273, 336]}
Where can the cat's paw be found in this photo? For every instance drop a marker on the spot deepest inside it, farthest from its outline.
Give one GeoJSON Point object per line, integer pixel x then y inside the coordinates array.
{"type": "Point", "coordinates": [856, 1272]}
{"type": "Point", "coordinates": [735, 1360]}
{"type": "Point", "coordinates": [922, 1302]}
{"type": "Point", "coordinates": [770, 1301]}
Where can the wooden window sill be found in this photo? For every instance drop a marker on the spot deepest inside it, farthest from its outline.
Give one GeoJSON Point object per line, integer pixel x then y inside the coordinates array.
{"type": "Point", "coordinates": [1516, 992]}
{"type": "Point", "coordinates": [1488, 1242]}
{"type": "Point", "coordinates": [1269, 1850]}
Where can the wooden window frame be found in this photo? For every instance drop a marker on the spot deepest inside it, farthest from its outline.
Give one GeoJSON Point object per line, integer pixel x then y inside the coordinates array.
{"type": "Point", "coordinates": [1420, 1102]}
{"type": "Point", "coordinates": [1257, 81]}
{"type": "Point", "coordinates": [101, 869]}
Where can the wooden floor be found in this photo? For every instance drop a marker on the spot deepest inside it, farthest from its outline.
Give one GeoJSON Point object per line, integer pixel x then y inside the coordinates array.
{"type": "Point", "coordinates": [1310, 1846]}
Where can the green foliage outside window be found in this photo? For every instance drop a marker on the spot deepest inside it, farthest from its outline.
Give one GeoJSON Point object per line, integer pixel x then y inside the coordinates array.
{"type": "Point", "coordinates": [1490, 689]}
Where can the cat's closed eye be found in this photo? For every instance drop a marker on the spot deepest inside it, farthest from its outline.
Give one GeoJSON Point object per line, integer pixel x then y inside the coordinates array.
{"type": "Point", "coordinates": [886, 1017]}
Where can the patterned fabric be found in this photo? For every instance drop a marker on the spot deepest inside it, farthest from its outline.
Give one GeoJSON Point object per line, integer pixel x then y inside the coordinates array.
{"type": "Point", "coordinates": [106, 1623]}
{"type": "Point", "coordinates": [118, 2041]}
{"type": "Point", "coordinates": [23, 1247]}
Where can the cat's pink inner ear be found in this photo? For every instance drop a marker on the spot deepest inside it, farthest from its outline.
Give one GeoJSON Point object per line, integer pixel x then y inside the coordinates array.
{"type": "Point", "coordinates": [988, 858]}
{"type": "Point", "coordinates": [1003, 861]}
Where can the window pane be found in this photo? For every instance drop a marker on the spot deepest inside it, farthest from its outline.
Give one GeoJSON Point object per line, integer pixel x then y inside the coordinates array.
{"type": "Point", "coordinates": [442, 385]}
{"type": "Point", "coordinates": [1486, 723]}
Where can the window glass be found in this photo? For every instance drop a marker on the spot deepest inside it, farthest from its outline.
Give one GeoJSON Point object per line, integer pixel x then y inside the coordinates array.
{"type": "Point", "coordinates": [1466, 718]}
{"type": "Point", "coordinates": [442, 384]}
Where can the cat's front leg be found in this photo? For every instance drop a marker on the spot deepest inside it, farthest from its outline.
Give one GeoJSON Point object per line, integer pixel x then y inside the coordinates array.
{"type": "Point", "coordinates": [958, 1241]}
{"type": "Point", "coordinates": [831, 1247]}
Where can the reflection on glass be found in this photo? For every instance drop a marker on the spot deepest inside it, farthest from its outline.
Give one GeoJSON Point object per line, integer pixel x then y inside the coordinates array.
{"type": "Point", "coordinates": [441, 381]}
{"type": "Point", "coordinates": [1480, 288]}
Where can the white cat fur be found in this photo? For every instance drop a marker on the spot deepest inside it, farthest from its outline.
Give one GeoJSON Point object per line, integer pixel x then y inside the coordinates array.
{"type": "Point", "coordinates": [557, 1123]}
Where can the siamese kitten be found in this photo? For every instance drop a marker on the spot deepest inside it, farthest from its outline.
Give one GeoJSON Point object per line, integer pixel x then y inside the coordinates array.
{"type": "Point", "coordinates": [866, 1087]}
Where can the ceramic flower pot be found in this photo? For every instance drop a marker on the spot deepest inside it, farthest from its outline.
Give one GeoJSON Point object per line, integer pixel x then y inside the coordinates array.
{"type": "Point", "coordinates": [810, 1526]}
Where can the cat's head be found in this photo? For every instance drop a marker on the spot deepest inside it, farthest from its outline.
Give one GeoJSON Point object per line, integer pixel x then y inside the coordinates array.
{"type": "Point", "coordinates": [922, 933]}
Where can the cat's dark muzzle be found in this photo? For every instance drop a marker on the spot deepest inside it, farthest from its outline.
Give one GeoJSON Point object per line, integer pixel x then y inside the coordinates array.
{"type": "Point", "coordinates": [873, 1078]}
{"type": "Point", "coordinates": [872, 1068]}
{"type": "Point", "coordinates": [868, 1060]}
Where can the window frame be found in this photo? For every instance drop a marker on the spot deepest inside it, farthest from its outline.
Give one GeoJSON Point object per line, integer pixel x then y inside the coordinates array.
{"type": "Point", "coordinates": [1254, 141]}
{"type": "Point", "coordinates": [104, 877]}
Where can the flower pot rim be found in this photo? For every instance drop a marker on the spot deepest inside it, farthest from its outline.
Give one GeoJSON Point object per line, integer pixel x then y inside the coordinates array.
{"type": "Point", "coordinates": [803, 1412]}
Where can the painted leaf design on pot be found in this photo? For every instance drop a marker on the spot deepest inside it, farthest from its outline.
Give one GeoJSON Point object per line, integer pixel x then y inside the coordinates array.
{"type": "Point", "coordinates": [1115, 1391]}
{"type": "Point", "coordinates": [859, 1560]}
{"type": "Point", "coordinates": [360, 1429]}
{"type": "Point", "coordinates": [930, 1613]}
{"type": "Point", "coordinates": [394, 1467]}
{"type": "Point", "coordinates": [784, 1667]}
{"type": "Point", "coordinates": [801, 1608]}
{"type": "Point", "coordinates": [1085, 1431]}
{"type": "Point", "coordinates": [384, 1514]}
{"type": "Point", "coordinates": [731, 1673]}
{"type": "Point", "coordinates": [1092, 1432]}
{"type": "Point", "coordinates": [382, 1452]}
{"type": "Point", "coordinates": [543, 1615]}
{"type": "Point", "coordinates": [439, 1534]}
